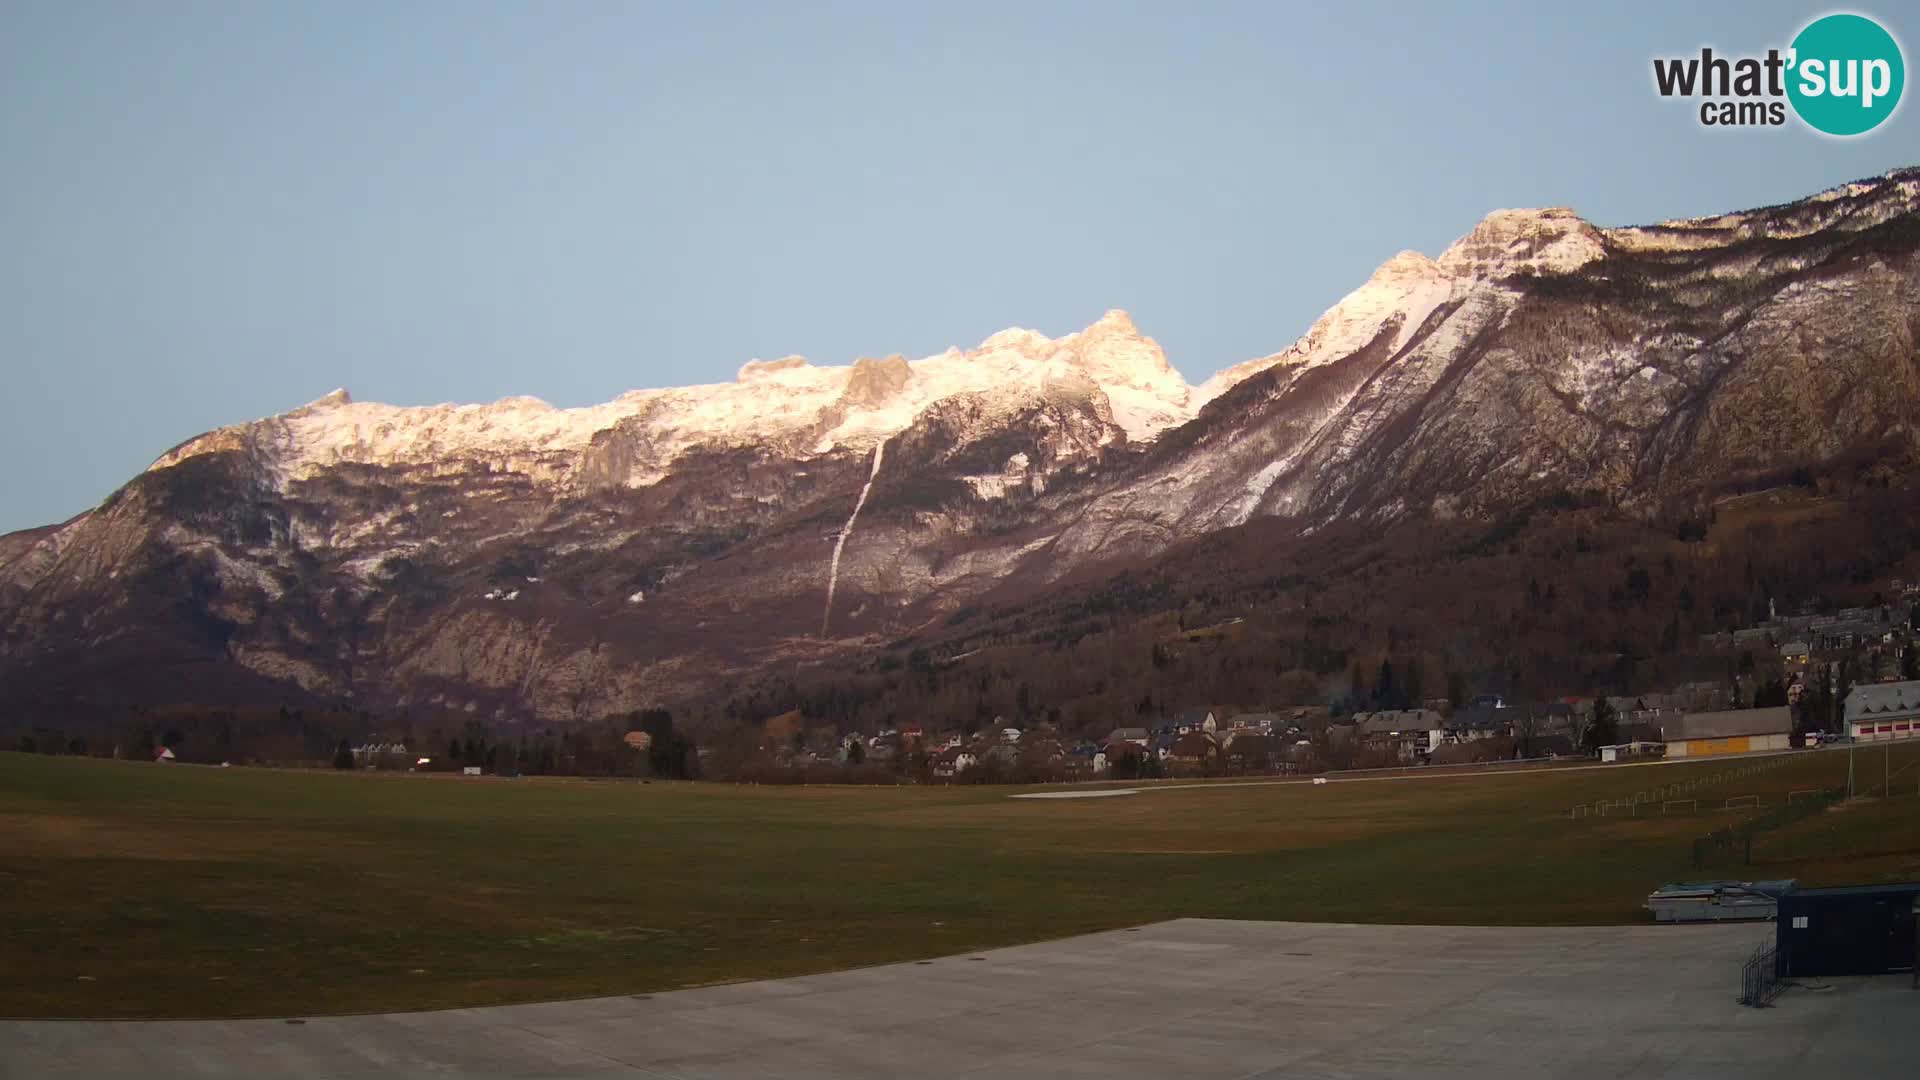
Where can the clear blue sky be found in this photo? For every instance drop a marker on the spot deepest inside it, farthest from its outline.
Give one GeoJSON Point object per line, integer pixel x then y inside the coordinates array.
{"type": "Point", "coordinates": [216, 211]}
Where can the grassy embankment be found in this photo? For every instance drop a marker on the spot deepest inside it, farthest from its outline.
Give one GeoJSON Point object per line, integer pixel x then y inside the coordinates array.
{"type": "Point", "coordinates": [141, 890]}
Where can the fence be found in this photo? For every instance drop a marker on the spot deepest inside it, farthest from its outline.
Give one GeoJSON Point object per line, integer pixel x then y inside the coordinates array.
{"type": "Point", "coordinates": [1525, 764]}
{"type": "Point", "coordinates": [1760, 977]}
{"type": "Point", "coordinates": [1678, 791]}
{"type": "Point", "coordinates": [1722, 844]}
{"type": "Point", "coordinates": [1888, 774]}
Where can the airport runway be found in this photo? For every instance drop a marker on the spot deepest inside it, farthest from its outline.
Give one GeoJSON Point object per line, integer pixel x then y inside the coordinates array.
{"type": "Point", "coordinates": [1191, 998]}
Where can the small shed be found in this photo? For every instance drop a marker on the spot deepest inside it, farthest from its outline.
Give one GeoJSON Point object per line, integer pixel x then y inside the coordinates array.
{"type": "Point", "coordinates": [1852, 930]}
{"type": "Point", "coordinates": [1630, 751]}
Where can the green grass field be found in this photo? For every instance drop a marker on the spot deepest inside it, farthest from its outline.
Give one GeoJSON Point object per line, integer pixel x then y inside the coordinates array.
{"type": "Point", "coordinates": [143, 890]}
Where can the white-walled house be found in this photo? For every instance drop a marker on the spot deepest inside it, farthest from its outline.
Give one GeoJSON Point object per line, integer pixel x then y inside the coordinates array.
{"type": "Point", "coordinates": [1882, 711]}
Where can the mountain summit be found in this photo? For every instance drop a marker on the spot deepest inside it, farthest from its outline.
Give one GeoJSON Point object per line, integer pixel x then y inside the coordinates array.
{"type": "Point", "coordinates": [806, 409]}
{"type": "Point", "coordinates": [515, 558]}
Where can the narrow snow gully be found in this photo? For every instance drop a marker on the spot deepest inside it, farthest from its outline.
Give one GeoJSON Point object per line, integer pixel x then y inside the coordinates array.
{"type": "Point", "coordinates": [839, 545]}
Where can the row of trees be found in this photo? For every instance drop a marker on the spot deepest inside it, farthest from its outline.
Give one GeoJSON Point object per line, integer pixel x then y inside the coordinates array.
{"type": "Point", "coordinates": [1563, 601]}
{"type": "Point", "coordinates": [293, 737]}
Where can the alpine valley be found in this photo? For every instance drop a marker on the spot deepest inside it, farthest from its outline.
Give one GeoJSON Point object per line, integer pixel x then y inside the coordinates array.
{"type": "Point", "coordinates": [1543, 392]}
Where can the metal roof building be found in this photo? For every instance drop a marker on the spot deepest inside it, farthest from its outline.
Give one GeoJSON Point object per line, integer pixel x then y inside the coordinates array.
{"type": "Point", "coordinates": [1730, 731]}
{"type": "Point", "coordinates": [1884, 711]}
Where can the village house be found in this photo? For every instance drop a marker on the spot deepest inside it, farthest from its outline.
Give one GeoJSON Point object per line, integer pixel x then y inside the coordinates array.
{"type": "Point", "coordinates": [1163, 744]}
{"type": "Point", "coordinates": [851, 747]}
{"type": "Point", "coordinates": [1300, 757]}
{"type": "Point", "coordinates": [1043, 748]}
{"type": "Point", "coordinates": [393, 755]}
{"type": "Point", "coordinates": [1653, 709]}
{"type": "Point", "coordinates": [1194, 750]}
{"type": "Point", "coordinates": [1477, 721]}
{"type": "Point", "coordinates": [1263, 722]}
{"type": "Point", "coordinates": [1199, 718]}
{"type": "Point", "coordinates": [883, 747]}
{"type": "Point", "coordinates": [1236, 734]}
{"type": "Point", "coordinates": [1000, 753]}
{"type": "Point", "coordinates": [1548, 729]}
{"type": "Point", "coordinates": [1255, 751]}
{"type": "Point", "coordinates": [1884, 711]}
{"type": "Point", "coordinates": [951, 762]}
{"type": "Point", "coordinates": [1407, 732]}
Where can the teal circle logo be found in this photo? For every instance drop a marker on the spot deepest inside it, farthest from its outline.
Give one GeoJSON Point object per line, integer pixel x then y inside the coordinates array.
{"type": "Point", "coordinates": [1847, 74]}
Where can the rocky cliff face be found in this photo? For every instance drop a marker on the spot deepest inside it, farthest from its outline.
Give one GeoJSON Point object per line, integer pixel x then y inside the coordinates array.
{"type": "Point", "coordinates": [517, 559]}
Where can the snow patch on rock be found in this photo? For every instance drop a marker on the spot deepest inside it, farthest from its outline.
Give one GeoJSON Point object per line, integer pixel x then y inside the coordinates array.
{"type": "Point", "coordinates": [1405, 291]}
{"type": "Point", "coordinates": [1513, 242]}
{"type": "Point", "coordinates": [854, 407]}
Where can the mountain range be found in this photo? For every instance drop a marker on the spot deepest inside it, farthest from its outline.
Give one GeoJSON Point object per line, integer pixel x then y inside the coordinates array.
{"type": "Point", "coordinates": [519, 560]}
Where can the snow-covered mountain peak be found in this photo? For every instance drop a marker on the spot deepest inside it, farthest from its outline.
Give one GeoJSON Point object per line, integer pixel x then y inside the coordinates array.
{"type": "Point", "coordinates": [1851, 207]}
{"type": "Point", "coordinates": [1114, 321]}
{"type": "Point", "coordinates": [1406, 264]}
{"type": "Point", "coordinates": [853, 406]}
{"type": "Point", "coordinates": [1509, 242]}
{"type": "Point", "coordinates": [1014, 338]}
{"type": "Point", "coordinates": [1401, 293]}
{"type": "Point", "coordinates": [337, 398]}
{"type": "Point", "coordinates": [760, 369]}
{"type": "Point", "coordinates": [352, 549]}
{"type": "Point", "coordinates": [872, 382]}
{"type": "Point", "coordinates": [1146, 394]}
{"type": "Point", "coordinates": [1114, 348]}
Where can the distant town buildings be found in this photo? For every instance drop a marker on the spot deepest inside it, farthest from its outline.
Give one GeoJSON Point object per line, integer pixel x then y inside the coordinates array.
{"type": "Point", "coordinates": [1808, 634]}
{"type": "Point", "coordinates": [1790, 664]}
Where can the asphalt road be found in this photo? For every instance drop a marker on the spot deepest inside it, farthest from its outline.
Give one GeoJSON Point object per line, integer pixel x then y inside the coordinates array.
{"type": "Point", "coordinates": [1192, 998]}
